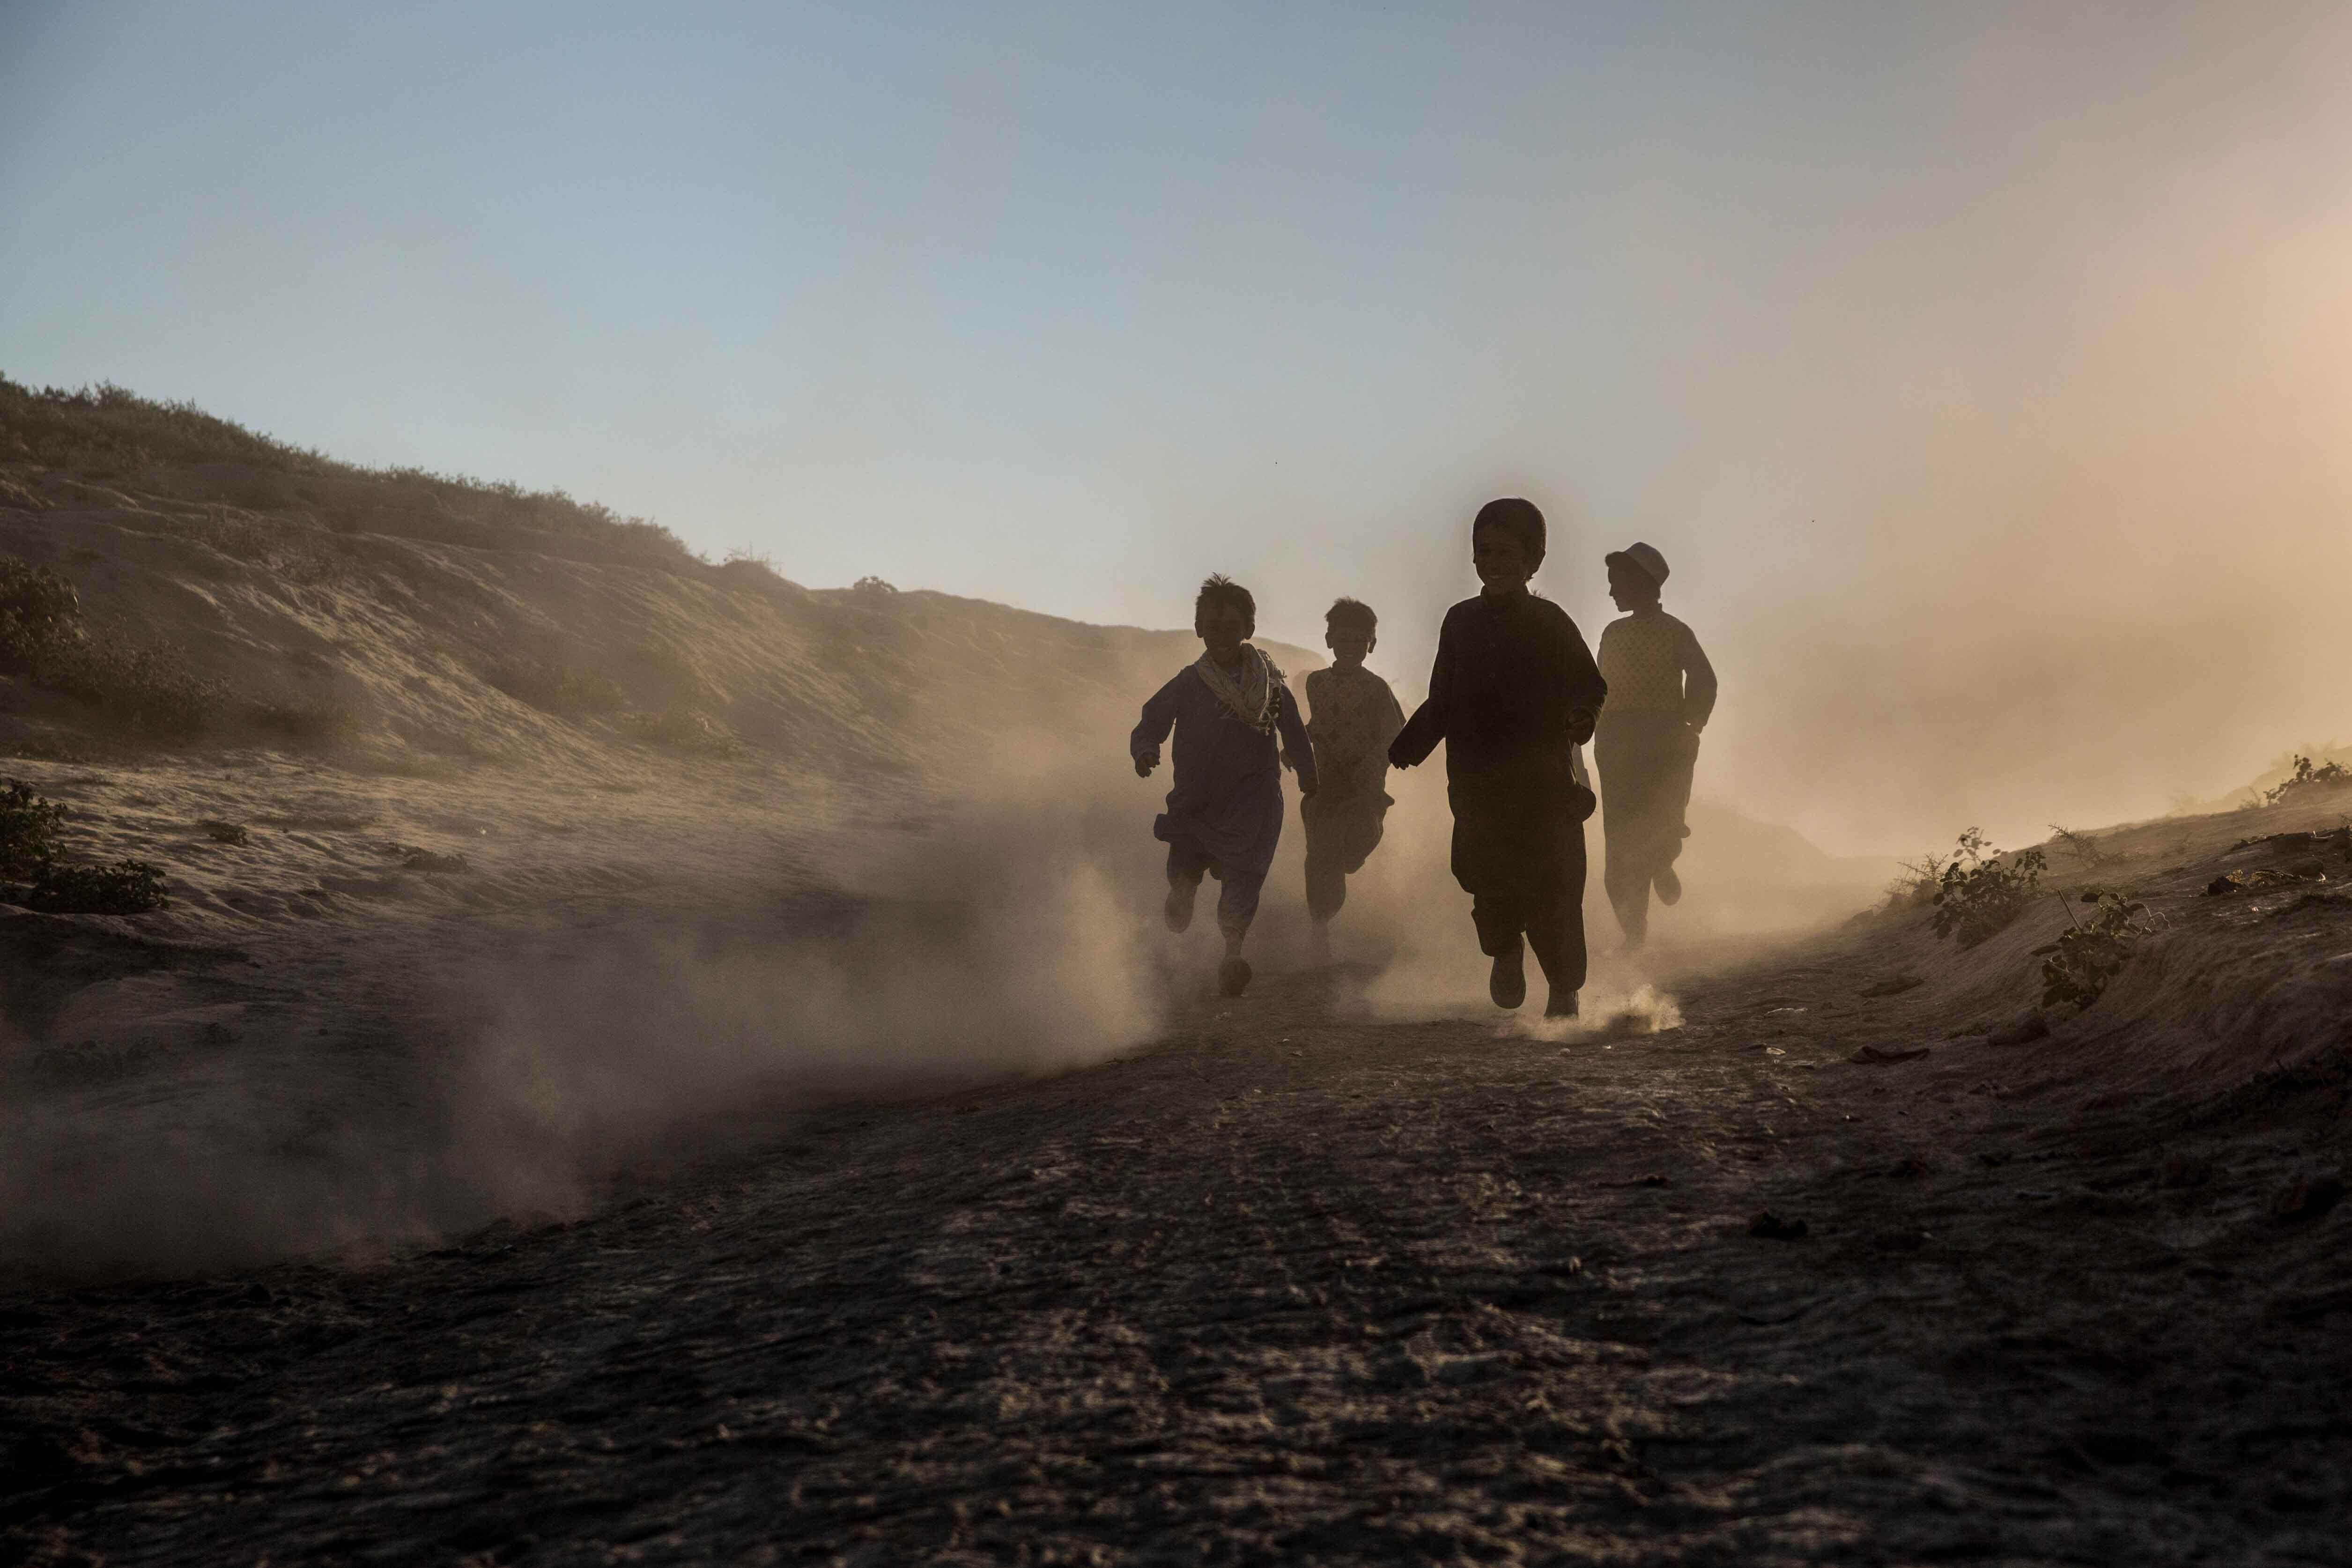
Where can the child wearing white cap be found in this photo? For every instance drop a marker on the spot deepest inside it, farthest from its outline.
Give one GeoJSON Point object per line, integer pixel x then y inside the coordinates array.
{"type": "Point", "coordinates": [1661, 692]}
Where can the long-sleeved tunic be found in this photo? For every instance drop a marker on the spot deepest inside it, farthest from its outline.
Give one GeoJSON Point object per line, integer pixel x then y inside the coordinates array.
{"type": "Point", "coordinates": [1226, 797]}
{"type": "Point", "coordinates": [1508, 675]}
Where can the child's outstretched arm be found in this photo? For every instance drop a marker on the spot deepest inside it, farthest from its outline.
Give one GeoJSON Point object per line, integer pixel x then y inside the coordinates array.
{"type": "Point", "coordinates": [1159, 718]}
{"type": "Point", "coordinates": [1427, 726]}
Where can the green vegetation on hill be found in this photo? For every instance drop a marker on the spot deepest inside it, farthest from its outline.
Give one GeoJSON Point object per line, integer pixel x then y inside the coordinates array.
{"type": "Point", "coordinates": [42, 637]}
{"type": "Point", "coordinates": [108, 432]}
{"type": "Point", "coordinates": [31, 852]}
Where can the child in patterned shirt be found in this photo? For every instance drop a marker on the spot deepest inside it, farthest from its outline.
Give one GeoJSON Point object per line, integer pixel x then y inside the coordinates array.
{"type": "Point", "coordinates": [1351, 718]}
{"type": "Point", "coordinates": [1661, 691]}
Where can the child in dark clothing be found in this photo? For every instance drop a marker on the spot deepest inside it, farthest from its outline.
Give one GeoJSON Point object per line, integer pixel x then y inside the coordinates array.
{"type": "Point", "coordinates": [1512, 693]}
{"type": "Point", "coordinates": [1224, 814]}
{"type": "Point", "coordinates": [1661, 692]}
{"type": "Point", "coordinates": [1351, 717]}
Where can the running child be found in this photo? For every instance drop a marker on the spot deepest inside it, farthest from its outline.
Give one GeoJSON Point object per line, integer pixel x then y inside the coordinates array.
{"type": "Point", "coordinates": [1351, 718]}
{"type": "Point", "coordinates": [1224, 812]}
{"type": "Point", "coordinates": [1661, 692]}
{"type": "Point", "coordinates": [1512, 693]}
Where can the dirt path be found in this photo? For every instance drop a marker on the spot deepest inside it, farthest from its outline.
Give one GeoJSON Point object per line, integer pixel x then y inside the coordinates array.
{"type": "Point", "coordinates": [1292, 1287]}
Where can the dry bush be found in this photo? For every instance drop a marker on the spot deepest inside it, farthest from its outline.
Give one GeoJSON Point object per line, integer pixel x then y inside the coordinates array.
{"type": "Point", "coordinates": [125, 887]}
{"type": "Point", "coordinates": [2307, 781]}
{"type": "Point", "coordinates": [1916, 887]}
{"type": "Point", "coordinates": [38, 610]}
{"type": "Point", "coordinates": [147, 685]}
{"type": "Point", "coordinates": [1981, 892]}
{"type": "Point", "coordinates": [28, 831]}
{"type": "Point", "coordinates": [2082, 846]}
{"type": "Point", "coordinates": [29, 850]}
{"type": "Point", "coordinates": [42, 637]}
{"type": "Point", "coordinates": [2076, 968]}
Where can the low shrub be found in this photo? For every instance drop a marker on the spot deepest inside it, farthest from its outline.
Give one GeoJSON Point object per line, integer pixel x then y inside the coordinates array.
{"type": "Point", "coordinates": [2309, 780]}
{"type": "Point", "coordinates": [1916, 887]}
{"type": "Point", "coordinates": [42, 637]}
{"type": "Point", "coordinates": [39, 611]}
{"type": "Point", "coordinates": [2082, 846]}
{"type": "Point", "coordinates": [2076, 968]}
{"type": "Point", "coordinates": [1981, 891]}
{"type": "Point", "coordinates": [228, 832]}
{"type": "Point", "coordinates": [28, 832]}
{"type": "Point", "coordinates": [148, 685]}
{"type": "Point", "coordinates": [28, 854]}
{"type": "Point", "coordinates": [125, 887]}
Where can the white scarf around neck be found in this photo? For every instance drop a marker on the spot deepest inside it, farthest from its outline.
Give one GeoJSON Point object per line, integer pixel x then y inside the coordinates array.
{"type": "Point", "coordinates": [1249, 696]}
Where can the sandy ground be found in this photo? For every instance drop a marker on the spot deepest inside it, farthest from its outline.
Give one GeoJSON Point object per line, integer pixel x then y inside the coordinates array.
{"type": "Point", "coordinates": [1306, 1278]}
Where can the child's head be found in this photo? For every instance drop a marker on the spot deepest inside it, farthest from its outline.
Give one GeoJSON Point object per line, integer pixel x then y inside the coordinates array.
{"type": "Point", "coordinates": [1350, 630]}
{"type": "Point", "coordinates": [1636, 576]}
{"type": "Point", "coordinates": [1506, 543]}
{"type": "Point", "coordinates": [1224, 616]}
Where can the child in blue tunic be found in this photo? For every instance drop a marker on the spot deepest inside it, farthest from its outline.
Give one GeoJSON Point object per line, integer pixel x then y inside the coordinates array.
{"type": "Point", "coordinates": [1224, 812]}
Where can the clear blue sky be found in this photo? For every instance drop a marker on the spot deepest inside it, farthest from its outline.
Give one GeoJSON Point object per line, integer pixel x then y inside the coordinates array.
{"type": "Point", "coordinates": [1894, 327]}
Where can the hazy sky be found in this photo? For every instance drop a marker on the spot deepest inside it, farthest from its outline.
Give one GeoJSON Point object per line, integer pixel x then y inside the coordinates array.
{"type": "Point", "coordinates": [1986, 372]}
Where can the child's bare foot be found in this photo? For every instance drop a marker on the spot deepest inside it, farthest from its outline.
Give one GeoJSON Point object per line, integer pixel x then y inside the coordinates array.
{"type": "Point", "coordinates": [1179, 909]}
{"type": "Point", "coordinates": [1561, 1006]}
{"type": "Point", "coordinates": [1233, 975]}
{"type": "Point", "coordinates": [1670, 886]}
{"type": "Point", "coordinates": [1508, 985]}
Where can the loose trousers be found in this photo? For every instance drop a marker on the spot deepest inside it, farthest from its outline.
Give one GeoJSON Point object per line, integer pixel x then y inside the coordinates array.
{"type": "Point", "coordinates": [1238, 890]}
{"type": "Point", "coordinates": [1341, 837]}
{"type": "Point", "coordinates": [1518, 852]}
{"type": "Point", "coordinates": [1645, 761]}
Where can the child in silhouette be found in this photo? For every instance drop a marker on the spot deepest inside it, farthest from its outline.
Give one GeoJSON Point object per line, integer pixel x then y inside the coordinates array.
{"type": "Point", "coordinates": [1661, 691]}
{"type": "Point", "coordinates": [1512, 693]}
{"type": "Point", "coordinates": [1351, 718]}
{"type": "Point", "coordinates": [1224, 812]}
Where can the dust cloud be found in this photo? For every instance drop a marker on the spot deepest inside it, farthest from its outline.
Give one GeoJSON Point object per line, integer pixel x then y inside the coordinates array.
{"type": "Point", "coordinates": [2079, 562]}
{"type": "Point", "coordinates": [523, 1075]}
{"type": "Point", "coordinates": [524, 1069]}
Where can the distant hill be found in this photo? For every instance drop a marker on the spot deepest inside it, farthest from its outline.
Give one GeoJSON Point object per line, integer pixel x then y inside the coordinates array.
{"type": "Point", "coordinates": [408, 622]}
{"type": "Point", "coordinates": [391, 613]}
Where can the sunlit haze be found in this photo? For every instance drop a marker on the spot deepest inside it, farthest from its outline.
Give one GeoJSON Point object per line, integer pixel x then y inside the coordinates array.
{"type": "Point", "coordinates": [1985, 373]}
